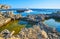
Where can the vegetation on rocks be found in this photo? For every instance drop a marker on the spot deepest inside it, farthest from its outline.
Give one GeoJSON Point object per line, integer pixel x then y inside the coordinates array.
{"type": "Point", "coordinates": [12, 26]}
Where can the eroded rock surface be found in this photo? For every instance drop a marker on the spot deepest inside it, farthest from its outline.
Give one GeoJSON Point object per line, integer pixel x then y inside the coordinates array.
{"type": "Point", "coordinates": [30, 33]}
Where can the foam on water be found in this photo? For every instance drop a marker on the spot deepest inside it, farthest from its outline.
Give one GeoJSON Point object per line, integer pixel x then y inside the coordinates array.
{"type": "Point", "coordinates": [29, 11]}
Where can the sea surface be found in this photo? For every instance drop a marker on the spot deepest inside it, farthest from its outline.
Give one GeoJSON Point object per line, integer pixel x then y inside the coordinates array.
{"type": "Point", "coordinates": [38, 11]}
{"type": "Point", "coordinates": [17, 25]}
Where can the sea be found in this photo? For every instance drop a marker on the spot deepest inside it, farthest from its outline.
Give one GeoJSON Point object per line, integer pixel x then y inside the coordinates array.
{"type": "Point", "coordinates": [38, 11]}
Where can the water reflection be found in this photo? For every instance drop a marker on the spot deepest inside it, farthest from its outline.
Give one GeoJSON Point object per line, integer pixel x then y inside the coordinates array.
{"type": "Point", "coordinates": [27, 24]}
{"type": "Point", "coordinates": [54, 23]}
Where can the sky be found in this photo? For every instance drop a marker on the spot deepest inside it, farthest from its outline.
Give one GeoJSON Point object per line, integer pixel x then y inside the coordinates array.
{"type": "Point", "coordinates": [32, 3]}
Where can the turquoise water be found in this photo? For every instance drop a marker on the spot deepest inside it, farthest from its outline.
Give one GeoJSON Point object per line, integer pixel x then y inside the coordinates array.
{"type": "Point", "coordinates": [38, 11]}
{"type": "Point", "coordinates": [54, 23]}
{"type": "Point", "coordinates": [27, 24]}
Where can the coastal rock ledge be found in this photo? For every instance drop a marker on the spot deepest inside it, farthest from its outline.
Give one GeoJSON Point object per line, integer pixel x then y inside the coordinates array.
{"type": "Point", "coordinates": [7, 16]}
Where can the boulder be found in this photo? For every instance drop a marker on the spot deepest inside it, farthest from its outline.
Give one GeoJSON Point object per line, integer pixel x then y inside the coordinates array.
{"type": "Point", "coordinates": [7, 20]}
{"type": "Point", "coordinates": [4, 20]}
{"type": "Point", "coordinates": [12, 33]}
{"type": "Point", "coordinates": [17, 16]}
{"type": "Point", "coordinates": [5, 31]}
{"type": "Point", "coordinates": [4, 6]}
{"type": "Point", "coordinates": [7, 7]}
{"type": "Point", "coordinates": [1, 22]}
{"type": "Point", "coordinates": [0, 6]}
{"type": "Point", "coordinates": [44, 34]}
{"type": "Point", "coordinates": [1, 38]}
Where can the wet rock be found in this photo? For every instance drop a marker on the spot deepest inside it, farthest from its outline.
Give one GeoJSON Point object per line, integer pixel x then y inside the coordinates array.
{"type": "Point", "coordinates": [0, 6]}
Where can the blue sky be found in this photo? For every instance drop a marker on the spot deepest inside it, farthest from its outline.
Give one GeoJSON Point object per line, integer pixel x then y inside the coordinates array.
{"type": "Point", "coordinates": [32, 3]}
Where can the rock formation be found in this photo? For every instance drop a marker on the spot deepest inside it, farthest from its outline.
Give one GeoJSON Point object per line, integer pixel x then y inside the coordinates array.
{"type": "Point", "coordinates": [7, 16]}
{"type": "Point", "coordinates": [4, 6]}
{"type": "Point", "coordinates": [29, 33]}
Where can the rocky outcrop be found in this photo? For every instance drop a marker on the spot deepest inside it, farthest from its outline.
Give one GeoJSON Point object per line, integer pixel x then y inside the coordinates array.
{"type": "Point", "coordinates": [7, 16]}
{"type": "Point", "coordinates": [41, 17]}
{"type": "Point", "coordinates": [29, 33]}
{"type": "Point", "coordinates": [4, 6]}
{"type": "Point", "coordinates": [33, 33]}
{"type": "Point", "coordinates": [44, 34]}
{"type": "Point", "coordinates": [4, 20]}
{"type": "Point", "coordinates": [36, 17]}
{"type": "Point", "coordinates": [7, 20]}
{"type": "Point", "coordinates": [53, 36]}
{"type": "Point", "coordinates": [10, 14]}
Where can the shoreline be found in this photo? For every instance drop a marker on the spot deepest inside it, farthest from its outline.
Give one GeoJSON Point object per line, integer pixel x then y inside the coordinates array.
{"type": "Point", "coordinates": [39, 30]}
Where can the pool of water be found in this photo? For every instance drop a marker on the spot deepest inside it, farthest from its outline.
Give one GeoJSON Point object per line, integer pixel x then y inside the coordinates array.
{"type": "Point", "coordinates": [27, 24]}
{"type": "Point", "coordinates": [16, 26]}
{"type": "Point", "coordinates": [13, 26]}
{"type": "Point", "coordinates": [54, 23]}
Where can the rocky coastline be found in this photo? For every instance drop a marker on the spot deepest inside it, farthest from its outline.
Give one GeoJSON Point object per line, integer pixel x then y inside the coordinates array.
{"type": "Point", "coordinates": [38, 31]}
{"type": "Point", "coordinates": [6, 17]}
{"type": "Point", "coordinates": [29, 33]}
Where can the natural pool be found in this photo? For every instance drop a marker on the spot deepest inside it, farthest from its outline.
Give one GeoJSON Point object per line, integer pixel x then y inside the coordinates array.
{"type": "Point", "coordinates": [54, 23]}
{"type": "Point", "coordinates": [16, 26]}
{"type": "Point", "coordinates": [13, 26]}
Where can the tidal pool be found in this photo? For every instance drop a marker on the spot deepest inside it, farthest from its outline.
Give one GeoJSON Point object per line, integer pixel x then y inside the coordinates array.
{"type": "Point", "coordinates": [13, 26]}
{"type": "Point", "coordinates": [16, 26]}
{"type": "Point", "coordinates": [54, 23]}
